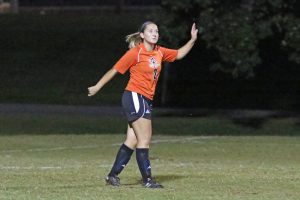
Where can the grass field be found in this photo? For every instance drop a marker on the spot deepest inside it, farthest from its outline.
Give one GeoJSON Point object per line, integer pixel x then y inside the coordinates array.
{"type": "Point", "coordinates": [68, 166]}
{"type": "Point", "coordinates": [190, 167]}
{"type": "Point", "coordinates": [67, 156]}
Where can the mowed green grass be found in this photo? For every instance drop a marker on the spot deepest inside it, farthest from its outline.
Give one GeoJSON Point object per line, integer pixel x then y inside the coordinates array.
{"type": "Point", "coordinates": [66, 166]}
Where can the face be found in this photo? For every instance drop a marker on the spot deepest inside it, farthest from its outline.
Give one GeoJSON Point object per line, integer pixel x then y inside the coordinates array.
{"type": "Point", "coordinates": [150, 34]}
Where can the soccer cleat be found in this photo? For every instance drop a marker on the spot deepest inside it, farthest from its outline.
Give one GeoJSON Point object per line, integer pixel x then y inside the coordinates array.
{"type": "Point", "coordinates": [113, 180]}
{"type": "Point", "coordinates": [152, 184]}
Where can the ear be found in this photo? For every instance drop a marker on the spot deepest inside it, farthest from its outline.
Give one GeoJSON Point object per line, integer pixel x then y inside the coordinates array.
{"type": "Point", "coordinates": [142, 35]}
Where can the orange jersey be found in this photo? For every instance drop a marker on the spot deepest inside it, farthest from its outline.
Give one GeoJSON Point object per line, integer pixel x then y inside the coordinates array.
{"type": "Point", "coordinates": [145, 67]}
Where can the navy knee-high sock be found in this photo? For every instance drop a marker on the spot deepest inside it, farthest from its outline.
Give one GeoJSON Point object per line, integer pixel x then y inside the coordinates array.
{"type": "Point", "coordinates": [122, 158]}
{"type": "Point", "coordinates": [142, 158]}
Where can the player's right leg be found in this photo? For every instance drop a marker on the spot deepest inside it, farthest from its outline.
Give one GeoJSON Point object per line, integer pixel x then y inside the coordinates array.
{"type": "Point", "coordinates": [122, 158]}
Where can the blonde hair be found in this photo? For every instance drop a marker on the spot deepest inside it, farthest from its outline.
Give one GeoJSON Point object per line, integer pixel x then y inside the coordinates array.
{"type": "Point", "coordinates": [135, 39]}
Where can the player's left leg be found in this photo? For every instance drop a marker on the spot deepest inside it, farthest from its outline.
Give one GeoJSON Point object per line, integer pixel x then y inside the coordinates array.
{"type": "Point", "coordinates": [143, 130]}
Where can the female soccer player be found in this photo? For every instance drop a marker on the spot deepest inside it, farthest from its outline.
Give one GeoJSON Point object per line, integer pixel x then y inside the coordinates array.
{"type": "Point", "coordinates": [143, 60]}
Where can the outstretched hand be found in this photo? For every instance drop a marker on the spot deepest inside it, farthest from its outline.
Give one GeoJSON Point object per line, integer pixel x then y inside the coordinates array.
{"type": "Point", "coordinates": [194, 32]}
{"type": "Point", "coordinates": [92, 91]}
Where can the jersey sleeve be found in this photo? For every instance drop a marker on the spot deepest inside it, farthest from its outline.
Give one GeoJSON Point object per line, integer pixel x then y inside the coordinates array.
{"type": "Point", "coordinates": [126, 61]}
{"type": "Point", "coordinates": [169, 55]}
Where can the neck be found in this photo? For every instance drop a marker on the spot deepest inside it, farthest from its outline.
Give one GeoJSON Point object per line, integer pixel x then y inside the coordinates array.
{"type": "Point", "coordinates": [148, 46]}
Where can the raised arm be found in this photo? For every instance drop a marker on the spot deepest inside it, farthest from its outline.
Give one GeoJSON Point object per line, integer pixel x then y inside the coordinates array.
{"type": "Point", "coordinates": [105, 78]}
{"type": "Point", "coordinates": [185, 49]}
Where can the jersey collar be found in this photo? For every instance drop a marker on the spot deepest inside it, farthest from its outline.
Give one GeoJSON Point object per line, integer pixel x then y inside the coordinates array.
{"type": "Point", "coordinates": [142, 46]}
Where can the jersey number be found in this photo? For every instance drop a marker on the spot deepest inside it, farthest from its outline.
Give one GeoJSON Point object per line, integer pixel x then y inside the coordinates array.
{"type": "Point", "coordinates": [155, 74]}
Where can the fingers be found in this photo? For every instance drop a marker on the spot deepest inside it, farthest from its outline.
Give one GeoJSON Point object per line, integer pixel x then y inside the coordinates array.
{"type": "Point", "coordinates": [194, 32]}
{"type": "Point", "coordinates": [90, 91]}
{"type": "Point", "coordinates": [194, 27]}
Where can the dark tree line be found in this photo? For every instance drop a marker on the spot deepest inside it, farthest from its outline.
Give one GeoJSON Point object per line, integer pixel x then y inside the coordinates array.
{"type": "Point", "coordinates": [235, 29]}
{"type": "Point", "coordinates": [87, 2]}
{"type": "Point", "coordinates": [247, 55]}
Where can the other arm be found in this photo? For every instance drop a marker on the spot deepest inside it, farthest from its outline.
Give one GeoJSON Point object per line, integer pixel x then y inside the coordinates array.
{"type": "Point", "coordinates": [185, 49]}
{"type": "Point", "coordinates": [105, 78]}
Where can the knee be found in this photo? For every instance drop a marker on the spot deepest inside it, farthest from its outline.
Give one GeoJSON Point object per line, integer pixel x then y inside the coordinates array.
{"type": "Point", "coordinates": [134, 142]}
{"type": "Point", "coordinates": [144, 143]}
{"type": "Point", "coordinates": [131, 142]}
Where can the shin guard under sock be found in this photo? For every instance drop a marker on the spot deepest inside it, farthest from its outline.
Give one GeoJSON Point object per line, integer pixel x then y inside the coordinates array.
{"type": "Point", "coordinates": [121, 161]}
{"type": "Point", "coordinates": [142, 158]}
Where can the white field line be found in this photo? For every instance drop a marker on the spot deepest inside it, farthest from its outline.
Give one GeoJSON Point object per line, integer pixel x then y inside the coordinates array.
{"type": "Point", "coordinates": [157, 141]}
{"type": "Point", "coordinates": [18, 168]}
{"type": "Point", "coordinates": [51, 149]}
{"type": "Point", "coordinates": [180, 140]}
{"type": "Point", "coordinates": [186, 165]}
{"type": "Point", "coordinates": [177, 140]}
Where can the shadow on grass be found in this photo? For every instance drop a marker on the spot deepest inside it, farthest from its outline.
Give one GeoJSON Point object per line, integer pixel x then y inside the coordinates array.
{"type": "Point", "coordinates": [167, 178]}
{"type": "Point", "coordinates": [159, 178]}
{"type": "Point", "coordinates": [251, 122]}
{"type": "Point", "coordinates": [247, 118]}
{"type": "Point", "coordinates": [228, 122]}
{"type": "Point", "coordinates": [258, 122]}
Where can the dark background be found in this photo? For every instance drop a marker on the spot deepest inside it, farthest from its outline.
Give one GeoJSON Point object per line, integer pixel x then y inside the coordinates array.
{"type": "Point", "coordinates": [87, 2]}
{"type": "Point", "coordinates": [51, 58]}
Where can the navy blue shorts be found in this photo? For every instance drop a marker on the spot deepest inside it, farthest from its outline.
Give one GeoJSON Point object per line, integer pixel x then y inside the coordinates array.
{"type": "Point", "coordinates": [136, 106]}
